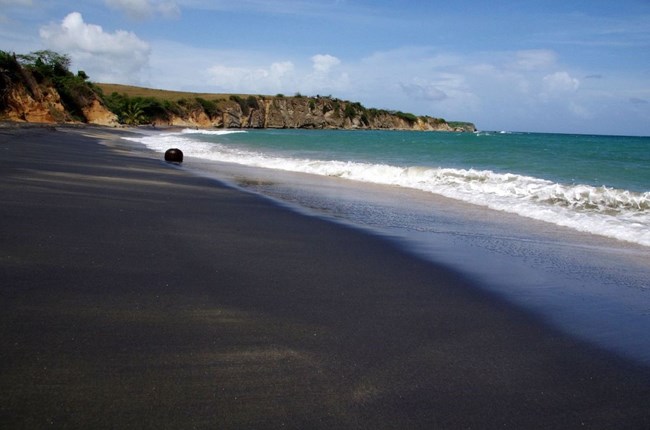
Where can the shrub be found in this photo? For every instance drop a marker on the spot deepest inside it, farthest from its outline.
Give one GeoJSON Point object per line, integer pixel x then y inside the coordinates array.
{"type": "Point", "coordinates": [251, 102]}
{"type": "Point", "coordinates": [172, 108]}
{"type": "Point", "coordinates": [10, 73]}
{"type": "Point", "coordinates": [75, 94]}
{"type": "Point", "coordinates": [242, 104]}
{"type": "Point", "coordinates": [152, 109]}
{"type": "Point", "coordinates": [349, 111]}
{"type": "Point", "coordinates": [209, 107]}
{"type": "Point", "coordinates": [9, 65]}
{"type": "Point", "coordinates": [409, 117]}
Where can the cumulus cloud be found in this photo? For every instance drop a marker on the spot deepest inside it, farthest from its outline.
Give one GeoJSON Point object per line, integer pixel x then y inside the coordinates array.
{"type": "Point", "coordinates": [119, 57]}
{"type": "Point", "coordinates": [560, 83]}
{"type": "Point", "coordinates": [324, 76]}
{"type": "Point", "coordinates": [535, 59]}
{"type": "Point", "coordinates": [141, 9]}
{"type": "Point", "coordinates": [320, 76]}
{"type": "Point", "coordinates": [273, 78]}
{"type": "Point", "coordinates": [324, 63]}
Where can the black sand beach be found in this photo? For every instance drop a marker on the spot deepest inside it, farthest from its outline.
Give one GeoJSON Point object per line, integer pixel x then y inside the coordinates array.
{"type": "Point", "coordinates": [135, 295]}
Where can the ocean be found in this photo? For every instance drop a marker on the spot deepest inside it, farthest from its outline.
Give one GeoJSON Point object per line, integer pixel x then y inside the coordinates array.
{"type": "Point", "coordinates": [557, 224]}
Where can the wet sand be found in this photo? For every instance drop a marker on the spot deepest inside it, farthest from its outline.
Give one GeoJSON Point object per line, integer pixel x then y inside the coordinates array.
{"type": "Point", "coordinates": [134, 294]}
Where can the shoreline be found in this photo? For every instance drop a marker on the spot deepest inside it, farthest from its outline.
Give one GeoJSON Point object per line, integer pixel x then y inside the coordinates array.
{"type": "Point", "coordinates": [590, 286]}
{"type": "Point", "coordinates": [136, 294]}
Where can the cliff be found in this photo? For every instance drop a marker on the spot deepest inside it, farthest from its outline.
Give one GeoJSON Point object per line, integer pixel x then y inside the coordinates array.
{"type": "Point", "coordinates": [38, 87]}
{"type": "Point", "coordinates": [46, 106]}
{"type": "Point", "coordinates": [43, 91]}
{"type": "Point", "coordinates": [166, 108]}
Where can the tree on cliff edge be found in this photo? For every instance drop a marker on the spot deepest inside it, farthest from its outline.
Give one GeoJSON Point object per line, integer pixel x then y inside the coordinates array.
{"type": "Point", "coordinates": [49, 68]}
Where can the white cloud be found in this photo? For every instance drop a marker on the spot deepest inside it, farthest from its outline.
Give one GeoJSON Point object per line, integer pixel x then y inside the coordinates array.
{"type": "Point", "coordinates": [118, 57]}
{"type": "Point", "coordinates": [324, 76]}
{"type": "Point", "coordinates": [535, 59]}
{"type": "Point", "coordinates": [279, 76]}
{"type": "Point", "coordinates": [497, 90]}
{"type": "Point", "coordinates": [273, 78]}
{"type": "Point", "coordinates": [559, 83]}
{"type": "Point", "coordinates": [140, 9]}
{"type": "Point", "coordinates": [323, 63]}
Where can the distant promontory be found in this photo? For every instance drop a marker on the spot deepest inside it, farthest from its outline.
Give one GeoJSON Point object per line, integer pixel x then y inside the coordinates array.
{"type": "Point", "coordinates": [39, 87]}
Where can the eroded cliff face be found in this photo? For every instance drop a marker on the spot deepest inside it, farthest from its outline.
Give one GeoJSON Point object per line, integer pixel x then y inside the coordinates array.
{"type": "Point", "coordinates": [96, 113]}
{"type": "Point", "coordinates": [44, 105]}
{"type": "Point", "coordinates": [308, 113]}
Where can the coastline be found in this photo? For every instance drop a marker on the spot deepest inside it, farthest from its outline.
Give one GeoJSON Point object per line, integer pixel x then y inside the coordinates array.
{"type": "Point", "coordinates": [136, 294]}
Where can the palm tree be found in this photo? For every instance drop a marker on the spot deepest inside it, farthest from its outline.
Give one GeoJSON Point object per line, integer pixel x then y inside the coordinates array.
{"type": "Point", "coordinates": [133, 113]}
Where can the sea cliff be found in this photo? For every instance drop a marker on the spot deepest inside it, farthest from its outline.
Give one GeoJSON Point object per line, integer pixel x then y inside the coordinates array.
{"type": "Point", "coordinates": [39, 88]}
{"type": "Point", "coordinates": [306, 113]}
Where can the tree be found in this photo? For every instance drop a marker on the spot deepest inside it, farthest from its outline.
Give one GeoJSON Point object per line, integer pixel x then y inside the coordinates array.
{"type": "Point", "coordinates": [133, 113]}
{"type": "Point", "coordinates": [48, 64]}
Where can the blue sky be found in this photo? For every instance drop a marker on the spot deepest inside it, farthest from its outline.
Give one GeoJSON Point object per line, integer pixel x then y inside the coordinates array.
{"type": "Point", "coordinates": [550, 66]}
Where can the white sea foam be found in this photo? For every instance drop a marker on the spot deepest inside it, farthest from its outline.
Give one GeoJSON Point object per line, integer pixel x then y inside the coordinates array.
{"type": "Point", "coordinates": [621, 214]}
{"type": "Point", "coordinates": [210, 132]}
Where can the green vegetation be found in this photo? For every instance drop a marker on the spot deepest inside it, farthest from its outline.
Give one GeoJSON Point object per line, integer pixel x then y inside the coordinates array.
{"type": "Point", "coordinates": [245, 104]}
{"type": "Point", "coordinates": [41, 69]}
{"type": "Point", "coordinates": [409, 117]}
{"type": "Point", "coordinates": [133, 113]}
{"type": "Point", "coordinates": [210, 107]}
{"type": "Point", "coordinates": [461, 125]}
{"type": "Point", "coordinates": [10, 72]}
{"type": "Point", "coordinates": [161, 104]}
{"type": "Point", "coordinates": [349, 112]}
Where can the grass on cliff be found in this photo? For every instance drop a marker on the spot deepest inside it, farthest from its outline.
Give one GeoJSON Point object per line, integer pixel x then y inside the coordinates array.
{"type": "Point", "coordinates": [132, 92]}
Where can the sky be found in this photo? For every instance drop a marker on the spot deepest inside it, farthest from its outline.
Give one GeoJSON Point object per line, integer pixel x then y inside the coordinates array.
{"type": "Point", "coordinates": [562, 66]}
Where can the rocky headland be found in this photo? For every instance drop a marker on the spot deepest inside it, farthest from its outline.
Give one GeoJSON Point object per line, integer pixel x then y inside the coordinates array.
{"type": "Point", "coordinates": [39, 88]}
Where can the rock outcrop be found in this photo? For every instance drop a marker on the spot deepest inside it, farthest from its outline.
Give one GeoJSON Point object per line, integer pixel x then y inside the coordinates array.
{"type": "Point", "coordinates": [44, 91]}
{"type": "Point", "coordinates": [306, 113]}
{"type": "Point", "coordinates": [39, 87]}
{"type": "Point", "coordinates": [45, 106]}
{"type": "Point", "coordinates": [97, 113]}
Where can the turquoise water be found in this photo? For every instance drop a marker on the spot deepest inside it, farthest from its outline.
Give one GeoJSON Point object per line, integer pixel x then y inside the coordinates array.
{"type": "Point", "coordinates": [594, 184]}
{"type": "Point", "coordinates": [618, 162]}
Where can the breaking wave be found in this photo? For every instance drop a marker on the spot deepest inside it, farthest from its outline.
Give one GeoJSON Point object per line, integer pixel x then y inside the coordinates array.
{"type": "Point", "coordinates": [620, 214]}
